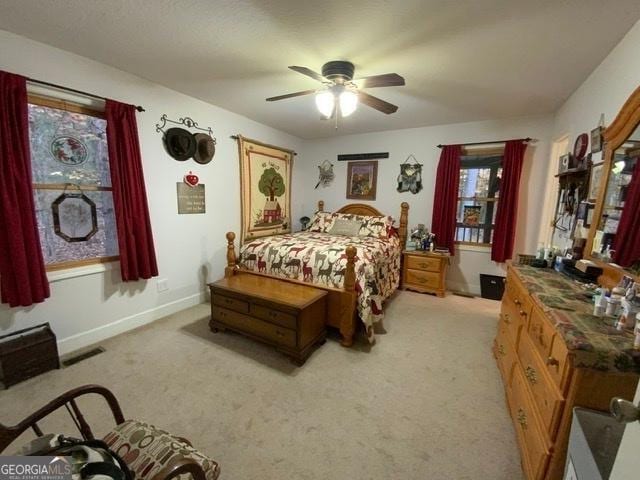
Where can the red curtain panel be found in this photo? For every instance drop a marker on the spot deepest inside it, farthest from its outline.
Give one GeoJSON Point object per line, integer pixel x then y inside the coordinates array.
{"type": "Point", "coordinates": [135, 240]}
{"type": "Point", "coordinates": [443, 220]}
{"type": "Point", "coordinates": [507, 213]}
{"type": "Point", "coordinates": [23, 278]}
{"type": "Point", "coordinates": [627, 241]}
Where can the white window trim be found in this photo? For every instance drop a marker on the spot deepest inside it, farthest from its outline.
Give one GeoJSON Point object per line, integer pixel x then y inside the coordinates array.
{"type": "Point", "coordinates": [58, 275]}
{"type": "Point", "coordinates": [473, 248]}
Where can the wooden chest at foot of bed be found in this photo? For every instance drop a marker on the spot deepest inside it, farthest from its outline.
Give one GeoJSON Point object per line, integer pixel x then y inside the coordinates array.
{"type": "Point", "coordinates": [288, 316]}
{"type": "Point", "coordinates": [424, 272]}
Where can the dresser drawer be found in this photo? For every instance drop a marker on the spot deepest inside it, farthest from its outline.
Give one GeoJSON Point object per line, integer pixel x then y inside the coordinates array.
{"type": "Point", "coordinates": [519, 297]}
{"type": "Point", "coordinates": [421, 262]}
{"type": "Point", "coordinates": [551, 347]}
{"type": "Point", "coordinates": [253, 326]}
{"type": "Point", "coordinates": [423, 279]}
{"type": "Point", "coordinates": [230, 303]}
{"type": "Point", "coordinates": [533, 446]}
{"type": "Point", "coordinates": [504, 351]}
{"type": "Point", "coordinates": [274, 316]}
{"type": "Point", "coordinates": [511, 319]}
{"type": "Point", "coordinates": [544, 391]}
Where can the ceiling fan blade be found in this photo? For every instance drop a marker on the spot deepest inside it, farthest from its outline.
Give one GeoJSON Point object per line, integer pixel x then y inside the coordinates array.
{"type": "Point", "coordinates": [377, 103]}
{"type": "Point", "coordinates": [309, 73]}
{"type": "Point", "coordinates": [384, 80]}
{"type": "Point", "coordinates": [290, 95]}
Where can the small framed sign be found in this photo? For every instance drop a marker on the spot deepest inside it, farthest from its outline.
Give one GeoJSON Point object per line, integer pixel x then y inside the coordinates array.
{"type": "Point", "coordinates": [191, 199]}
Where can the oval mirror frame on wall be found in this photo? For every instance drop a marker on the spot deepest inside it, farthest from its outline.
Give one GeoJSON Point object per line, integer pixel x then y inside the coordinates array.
{"type": "Point", "coordinates": [614, 136]}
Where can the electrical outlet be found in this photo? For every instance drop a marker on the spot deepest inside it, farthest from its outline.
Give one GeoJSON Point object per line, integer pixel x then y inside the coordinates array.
{"type": "Point", "coordinates": [163, 285]}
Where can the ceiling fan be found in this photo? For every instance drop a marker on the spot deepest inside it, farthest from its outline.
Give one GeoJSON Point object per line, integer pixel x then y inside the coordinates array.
{"type": "Point", "coordinates": [342, 92]}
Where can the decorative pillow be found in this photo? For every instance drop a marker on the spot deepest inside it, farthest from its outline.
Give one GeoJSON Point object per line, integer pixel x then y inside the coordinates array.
{"type": "Point", "coordinates": [378, 227]}
{"type": "Point", "coordinates": [322, 222]}
{"type": "Point", "coordinates": [342, 226]}
{"type": "Point", "coordinates": [147, 450]}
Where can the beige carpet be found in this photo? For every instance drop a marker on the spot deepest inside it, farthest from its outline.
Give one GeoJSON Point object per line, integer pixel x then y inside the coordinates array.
{"type": "Point", "coordinates": [425, 402]}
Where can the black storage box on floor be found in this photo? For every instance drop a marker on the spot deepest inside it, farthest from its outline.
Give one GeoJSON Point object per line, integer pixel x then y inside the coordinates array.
{"type": "Point", "coordinates": [27, 353]}
{"type": "Point", "coordinates": [491, 286]}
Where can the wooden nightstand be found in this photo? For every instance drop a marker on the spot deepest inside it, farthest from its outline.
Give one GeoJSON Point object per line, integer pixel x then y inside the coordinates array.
{"type": "Point", "coordinates": [424, 271]}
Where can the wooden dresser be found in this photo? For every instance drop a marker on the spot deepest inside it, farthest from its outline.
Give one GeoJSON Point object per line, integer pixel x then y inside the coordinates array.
{"type": "Point", "coordinates": [552, 357]}
{"type": "Point", "coordinates": [289, 316]}
{"type": "Point", "coordinates": [424, 271]}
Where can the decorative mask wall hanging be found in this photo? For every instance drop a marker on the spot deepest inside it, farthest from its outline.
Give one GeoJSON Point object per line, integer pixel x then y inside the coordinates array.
{"type": "Point", "coordinates": [326, 175]}
{"type": "Point", "coordinates": [410, 178]}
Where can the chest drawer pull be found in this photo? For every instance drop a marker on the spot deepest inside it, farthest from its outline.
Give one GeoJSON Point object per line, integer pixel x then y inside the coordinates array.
{"type": "Point", "coordinates": [551, 361]}
{"type": "Point", "coordinates": [522, 418]}
{"type": "Point", "coordinates": [501, 350]}
{"type": "Point", "coordinates": [531, 374]}
{"type": "Point", "coordinates": [507, 320]}
{"type": "Point", "coordinates": [523, 313]}
{"type": "Point", "coordinates": [517, 302]}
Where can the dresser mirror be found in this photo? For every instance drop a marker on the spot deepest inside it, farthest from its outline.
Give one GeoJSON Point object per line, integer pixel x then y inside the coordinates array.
{"type": "Point", "coordinates": [614, 236]}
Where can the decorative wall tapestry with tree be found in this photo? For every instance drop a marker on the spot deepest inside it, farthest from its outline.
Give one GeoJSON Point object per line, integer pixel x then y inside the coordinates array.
{"type": "Point", "coordinates": [265, 181]}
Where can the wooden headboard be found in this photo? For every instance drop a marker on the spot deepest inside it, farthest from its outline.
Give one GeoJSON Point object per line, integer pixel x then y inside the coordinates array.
{"type": "Point", "coordinates": [364, 209]}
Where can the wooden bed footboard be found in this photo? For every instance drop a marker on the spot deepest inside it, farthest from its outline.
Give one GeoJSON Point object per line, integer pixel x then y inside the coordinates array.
{"type": "Point", "coordinates": [341, 303]}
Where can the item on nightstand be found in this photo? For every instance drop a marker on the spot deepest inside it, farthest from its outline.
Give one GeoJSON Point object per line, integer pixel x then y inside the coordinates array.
{"type": "Point", "coordinates": [304, 221]}
{"type": "Point", "coordinates": [613, 306]}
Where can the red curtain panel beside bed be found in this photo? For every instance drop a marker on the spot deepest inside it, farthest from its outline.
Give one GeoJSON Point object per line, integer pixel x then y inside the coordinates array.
{"type": "Point", "coordinates": [445, 199]}
{"type": "Point", "coordinates": [23, 279]}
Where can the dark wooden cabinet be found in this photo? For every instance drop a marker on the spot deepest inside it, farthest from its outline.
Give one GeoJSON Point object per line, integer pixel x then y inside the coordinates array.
{"type": "Point", "coordinates": [289, 316]}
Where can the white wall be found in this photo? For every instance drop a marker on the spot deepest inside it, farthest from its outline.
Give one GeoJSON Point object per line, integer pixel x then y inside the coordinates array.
{"type": "Point", "coordinates": [421, 142]}
{"type": "Point", "coordinates": [190, 248]}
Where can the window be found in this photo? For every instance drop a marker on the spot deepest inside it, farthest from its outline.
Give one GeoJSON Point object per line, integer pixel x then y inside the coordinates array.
{"type": "Point", "coordinates": [71, 184]}
{"type": "Point", "coordinates": [478, 193]}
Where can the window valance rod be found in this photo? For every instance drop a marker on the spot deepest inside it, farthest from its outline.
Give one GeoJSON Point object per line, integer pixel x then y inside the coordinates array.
{"type": "Point", "coordinates": [528, 139]}
{"type": "Point", "coordinates": [73, 90]}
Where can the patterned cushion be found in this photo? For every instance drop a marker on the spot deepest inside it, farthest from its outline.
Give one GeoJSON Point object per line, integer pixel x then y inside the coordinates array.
{"type": "Point", "coordinates": [322, 222]}
{"type": "Point", "coordinates": [147, 450]}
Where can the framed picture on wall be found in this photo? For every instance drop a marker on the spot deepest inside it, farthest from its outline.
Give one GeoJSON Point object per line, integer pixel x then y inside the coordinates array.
{"type": "Point", "coordinates": [361, 180]}
{"type": "Point", "coordinates": [596, 139]}
{"type": "Point", "coordinates": [594, 181]}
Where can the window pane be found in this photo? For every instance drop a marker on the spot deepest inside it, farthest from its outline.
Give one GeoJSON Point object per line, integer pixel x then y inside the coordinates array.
{"type": "Point", "coordinates": [68, 147]}
{"type": "Point", "coordinates": [477, 182]}
{"type": "Point", "coordinates": [55, 249]}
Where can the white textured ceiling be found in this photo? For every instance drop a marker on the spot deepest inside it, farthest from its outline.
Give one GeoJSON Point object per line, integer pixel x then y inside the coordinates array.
{"type": "Point", "coordinates": [463, 60]}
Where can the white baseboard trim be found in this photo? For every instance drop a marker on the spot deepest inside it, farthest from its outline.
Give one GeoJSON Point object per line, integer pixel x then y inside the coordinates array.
{"type": "Point", "coordinates": [84, 339]}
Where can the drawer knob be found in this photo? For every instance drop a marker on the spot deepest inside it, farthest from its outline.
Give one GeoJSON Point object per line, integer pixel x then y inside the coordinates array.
{"type": "Point", "coordinates": [522, 418]}
{"type": "Point", "coordinates": [501, 350]}
{"type": "Point", "coordinates": [507, 320]}
{"type": "Point", "coordinates": [279, 333]}
{"type": "Point", "coordinates": [517, 302]}
{"type": "Point", "coordinates": [531, 375]}
{"type": "Point", "coordinates": [424, 265]}
{"type": "Point", "coordinates": [553, 362]}
{"type": "Point", "coordinates": [523, 313]}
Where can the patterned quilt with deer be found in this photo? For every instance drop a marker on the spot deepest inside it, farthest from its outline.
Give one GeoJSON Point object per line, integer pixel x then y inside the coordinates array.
{"type": "Point", "coordinates": [319, 258]}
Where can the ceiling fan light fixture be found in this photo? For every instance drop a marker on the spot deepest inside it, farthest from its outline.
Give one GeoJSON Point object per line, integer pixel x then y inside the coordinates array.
{"type": "Point", "coordinates": [348, 102]}
{"type": "Point", "coordinates": [325, 102]}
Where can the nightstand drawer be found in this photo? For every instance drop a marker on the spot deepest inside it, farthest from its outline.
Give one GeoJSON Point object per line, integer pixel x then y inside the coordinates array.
{"type": "Point", "coordinates": [423, 279]}
{"type": "Point", "coordinates": [419, 262]}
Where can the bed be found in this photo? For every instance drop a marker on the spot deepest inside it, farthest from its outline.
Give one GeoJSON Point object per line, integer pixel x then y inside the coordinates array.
{"type": "Point", "coordinates": [359, 272]}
